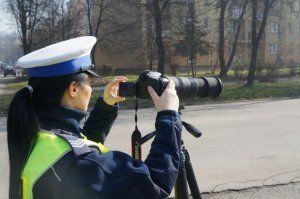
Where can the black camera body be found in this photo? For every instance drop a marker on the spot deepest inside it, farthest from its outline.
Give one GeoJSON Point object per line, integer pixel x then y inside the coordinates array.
{"type": "Point", "coordinates": [186, 87]}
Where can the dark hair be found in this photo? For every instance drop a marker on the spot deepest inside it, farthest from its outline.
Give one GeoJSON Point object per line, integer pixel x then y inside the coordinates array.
{"type": "Point", "coordinates": [23, 122]}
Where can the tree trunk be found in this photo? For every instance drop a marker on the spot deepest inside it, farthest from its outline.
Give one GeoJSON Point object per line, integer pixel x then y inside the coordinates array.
{"type": "Point", "coordinates": [256, 37]}
{"type": "Point", "coordinates": [222, 38]}
{"type": "Point", "coordinates": [159, 39]}
{"type": "Point", "coordinates": [93, 53]}
{"type": "Point", "coordinates": [151, 64]}
{"type": "Point", "coordinates": [235, 43]}
{"type": "Point", "coordinates": [252, 69]}
{"type": "Point", "coordinates": [223, 66]}
{"type": "Point", "coordinates": [92, 31]}
{"type": "Point", "coordinates": [89, 16]}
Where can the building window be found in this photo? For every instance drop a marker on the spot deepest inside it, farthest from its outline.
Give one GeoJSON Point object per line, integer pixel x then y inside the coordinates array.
{"type": "Point", "coordinates": [274, 27]}
{"type": "Point", "coordinates": [290, 27]}
{"type": "Point", "coordinates": [298, 29]}
{"type": "Point", "coordinates": [296, 6]}
{"type": "Point", "coordinates": [165, 33]}
{"type": "Point", "coordinates": [232, 27]}
{"type": "Point", "coordinates": [236, 12]}
{"type": "Point", "coordinates": [290, 49]}
{"type": "Point", "coordinates": [206, 23]}
{"type": "Point", "coordinates": [276, 7]}
{"type": "Point", "coordinates": [273, 48]}
{"type": "Point", "coordinates": [259, 16]}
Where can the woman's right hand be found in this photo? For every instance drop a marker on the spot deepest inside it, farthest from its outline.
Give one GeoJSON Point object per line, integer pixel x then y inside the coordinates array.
{"type": "Point", "coordinates": [168, 100]}
{"type": "Point", "coordinates": [110, 94]}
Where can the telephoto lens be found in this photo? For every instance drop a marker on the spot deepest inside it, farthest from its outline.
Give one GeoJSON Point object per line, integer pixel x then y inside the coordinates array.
{"type": "Point", "coordinates": [188, 87]}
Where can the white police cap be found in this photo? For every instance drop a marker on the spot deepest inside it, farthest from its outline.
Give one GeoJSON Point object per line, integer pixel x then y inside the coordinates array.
{"type": "Point", "coordinates": [62, 58]}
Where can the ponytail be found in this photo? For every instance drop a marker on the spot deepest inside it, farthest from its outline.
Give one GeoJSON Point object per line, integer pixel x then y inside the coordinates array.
{"type": "Point", "coordinates": [23, 122]}
{"type": "Point", "coordinates": [22, 127]}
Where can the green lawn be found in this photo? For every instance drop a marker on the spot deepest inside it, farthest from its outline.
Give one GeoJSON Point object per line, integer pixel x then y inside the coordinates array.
{"type": "Point", "coordinates": [15, 85]}
{"type": "Point", "coordinates": [4, 103]}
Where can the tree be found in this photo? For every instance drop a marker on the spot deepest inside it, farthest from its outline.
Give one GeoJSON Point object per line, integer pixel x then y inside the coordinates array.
{"type": "Point", "coordinates": [27, 14]}
{"type": "Point", "coordinates": [94, 27]}
{"type": "Point", "coordinates": [266, 6]}
{"type": "Point", "coordinates": [151, 53]}
{"type": "Point", "coordinates": [236, 32]}
{"type": "Point", "coordinates": [60, 20]}
{"type": "Point", "coordinates": [163, 13]}
{"type": "Point", "coordinates": [157, 10]}
{"type": "Point", "coordinates": [71, 19]}
{"type": "Point", "coordinates": [114, 24]}
{"type": "Point", "coordinates": [44, 22]}
{"type": "Point", "coordinates": [193, 41]}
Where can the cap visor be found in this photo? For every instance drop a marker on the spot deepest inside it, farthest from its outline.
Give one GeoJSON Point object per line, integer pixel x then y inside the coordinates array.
{"type": "Point", "coordinates": [92, 73]}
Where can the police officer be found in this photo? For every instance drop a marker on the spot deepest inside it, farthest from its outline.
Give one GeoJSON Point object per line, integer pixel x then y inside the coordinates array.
{"type": "Point", "coordinates": [51, 156]}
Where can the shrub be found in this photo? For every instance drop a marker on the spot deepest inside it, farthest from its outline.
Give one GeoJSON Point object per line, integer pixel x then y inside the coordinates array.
{"type": "Point", "coordinates": [267, 73]}
{"type": "Point", "coordinates": [107, 69]}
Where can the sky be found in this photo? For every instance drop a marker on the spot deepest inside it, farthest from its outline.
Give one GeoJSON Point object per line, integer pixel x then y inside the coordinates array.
{"type": "Point", "coordinates": [7, 23]}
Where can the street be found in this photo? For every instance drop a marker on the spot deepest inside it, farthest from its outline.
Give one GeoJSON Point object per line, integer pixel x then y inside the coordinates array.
{"type": "Point", "coordinates": [244, 144]}
{"type": "Point", "coordinates": [287, 191]}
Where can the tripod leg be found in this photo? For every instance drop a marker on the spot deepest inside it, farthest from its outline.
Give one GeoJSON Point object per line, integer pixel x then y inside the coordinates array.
{"type": "Point", "coordinates": [181, 186]}
{"type": "Point", "coordinates": [191, 178]}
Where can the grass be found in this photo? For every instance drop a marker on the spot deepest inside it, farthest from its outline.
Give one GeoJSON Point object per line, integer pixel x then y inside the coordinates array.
{"type": "Point", "coordinates": [260, 90]}
{"type": "Point", "coordinates": [104, 80]}
{"type": "Point", "coordinates": [15, 85]}
{"type": "Point", "coordinates": [4, 103]}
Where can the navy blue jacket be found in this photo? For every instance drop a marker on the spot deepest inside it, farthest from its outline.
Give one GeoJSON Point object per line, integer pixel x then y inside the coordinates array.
{"type": "Point", "coordinates": [113, 175]}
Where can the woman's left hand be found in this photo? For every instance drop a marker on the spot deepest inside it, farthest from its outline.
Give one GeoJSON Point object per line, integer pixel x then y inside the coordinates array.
{"type": "Point", "coordinates": [110, 95]}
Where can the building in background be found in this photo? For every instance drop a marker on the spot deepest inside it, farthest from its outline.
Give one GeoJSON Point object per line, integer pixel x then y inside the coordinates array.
{"type": "Point", "coordinates": [282, 38]}
{"type": "Point", "coordinates": [120, 35]}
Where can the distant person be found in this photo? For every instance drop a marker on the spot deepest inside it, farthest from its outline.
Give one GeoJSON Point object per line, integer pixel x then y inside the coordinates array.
{"type": "Point", "coordinates": [52, 157]}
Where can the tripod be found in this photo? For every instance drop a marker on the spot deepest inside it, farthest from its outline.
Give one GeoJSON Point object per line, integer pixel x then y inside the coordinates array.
{"type": "Point", "coordinates": [186, 176]}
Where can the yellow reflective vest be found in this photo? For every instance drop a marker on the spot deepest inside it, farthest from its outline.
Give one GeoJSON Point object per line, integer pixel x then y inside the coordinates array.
{"type": "Point", "coordinates": [48, 149]}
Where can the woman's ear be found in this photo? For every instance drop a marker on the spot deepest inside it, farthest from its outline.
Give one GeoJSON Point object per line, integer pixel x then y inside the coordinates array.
{"type": "Point", "coordinates": [69, 95]}
{"type": "Point", "coordinates": [72, 90]}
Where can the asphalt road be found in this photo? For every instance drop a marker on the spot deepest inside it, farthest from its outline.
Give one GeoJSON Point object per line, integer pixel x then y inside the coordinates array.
{"type": "Point", "coordinates": [288, 191]}
{"type": "Point", "coordinates": [244, 145]}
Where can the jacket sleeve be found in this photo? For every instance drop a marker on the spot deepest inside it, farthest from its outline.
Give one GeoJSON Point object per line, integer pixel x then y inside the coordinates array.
{"type": "Point", "coordinates": [100, 121]}
{"type": "Point", "coordinates": [116, 175]}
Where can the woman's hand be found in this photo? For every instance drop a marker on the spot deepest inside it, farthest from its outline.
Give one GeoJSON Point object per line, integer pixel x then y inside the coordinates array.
{"type": "Point", "coordinates": [110, 95]}
{"type": "Point", "coordinates": [168, 100]}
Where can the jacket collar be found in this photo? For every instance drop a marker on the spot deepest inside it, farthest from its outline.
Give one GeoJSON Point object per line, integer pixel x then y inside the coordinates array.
{"type": "Point", "coordinates": [59, 117]}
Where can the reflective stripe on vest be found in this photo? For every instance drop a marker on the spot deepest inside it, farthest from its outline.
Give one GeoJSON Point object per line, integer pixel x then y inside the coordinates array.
{"type": "Point", "coordinates": [48, 149]}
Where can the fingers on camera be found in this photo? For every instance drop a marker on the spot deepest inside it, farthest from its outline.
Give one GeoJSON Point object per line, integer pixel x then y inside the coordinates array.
{"type": "Point", "coordinates": [152, 92]}
{"type": "Point", "coordinates": [121, 79]}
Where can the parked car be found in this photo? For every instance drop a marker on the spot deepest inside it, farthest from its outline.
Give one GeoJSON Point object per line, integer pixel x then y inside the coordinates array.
{"type": "Point", "coordinates": [9, 70]}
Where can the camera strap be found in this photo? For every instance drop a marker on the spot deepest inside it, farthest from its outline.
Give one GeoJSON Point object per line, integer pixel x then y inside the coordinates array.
{"type": "Point", "coordinates": [136, 147]}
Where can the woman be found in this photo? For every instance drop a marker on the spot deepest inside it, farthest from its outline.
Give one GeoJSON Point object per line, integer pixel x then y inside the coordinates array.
{"type": "Point", "coordinates": [48, 151]}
